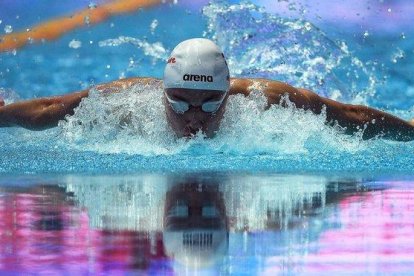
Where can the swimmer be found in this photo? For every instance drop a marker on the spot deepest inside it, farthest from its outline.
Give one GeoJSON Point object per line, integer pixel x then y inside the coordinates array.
{"type": "Point", "coordinates": [197, 86]}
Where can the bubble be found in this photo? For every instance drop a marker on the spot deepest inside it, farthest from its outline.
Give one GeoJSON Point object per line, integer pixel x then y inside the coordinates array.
{"type": "Point", "coordinates": [154, 25]}
{"type": "Point", "coordinates": [8, 29]}
{"type": "Point", "coordinates": [75, 44]}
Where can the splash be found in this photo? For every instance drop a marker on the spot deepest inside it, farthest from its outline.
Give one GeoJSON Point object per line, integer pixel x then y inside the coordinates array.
{"type": "Point", "coordinates": [9, 96]}
{"type": "Point", "coordinates": [133, 121]}
{"type": "Point", "coordinates": [258, 44]}
{"type": "Point", "coordinates": [155, 50]}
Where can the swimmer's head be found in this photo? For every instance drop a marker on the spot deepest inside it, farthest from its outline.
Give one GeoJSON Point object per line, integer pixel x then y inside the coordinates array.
{"type": "Point", "coordinates": [197, 64]}
{"type": "Point", "coordinates": [196, 85]}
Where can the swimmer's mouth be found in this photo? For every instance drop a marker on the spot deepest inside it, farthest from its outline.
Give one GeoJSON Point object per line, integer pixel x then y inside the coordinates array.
{"type": "Point", "coordinates": [190, 131]}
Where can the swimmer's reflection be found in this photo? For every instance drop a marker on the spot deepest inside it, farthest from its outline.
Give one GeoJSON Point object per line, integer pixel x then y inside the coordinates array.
{"type": "Point", "coordinates": [186, 219]}
{"type": "Point", "coordinates": [195, 225]}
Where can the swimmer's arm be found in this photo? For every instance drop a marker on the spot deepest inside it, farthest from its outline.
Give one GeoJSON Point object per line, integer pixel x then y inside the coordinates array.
{"type": "Point", "coordinates": [43, 113]}
{"type": "Point", "coordinates": [353, 118]}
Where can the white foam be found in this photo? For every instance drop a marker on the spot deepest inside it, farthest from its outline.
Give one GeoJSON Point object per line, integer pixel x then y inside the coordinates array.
{"type": "Point", "coordinates": [133, 121]}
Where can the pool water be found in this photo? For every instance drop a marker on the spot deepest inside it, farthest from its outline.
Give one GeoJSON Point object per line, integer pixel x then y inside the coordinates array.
{"type": "Point", "coordinates": [237, 224]}
{"type": "Point", "coordinates": [256, 44]}
{"type": "Point", "coordinates": [275, 192]}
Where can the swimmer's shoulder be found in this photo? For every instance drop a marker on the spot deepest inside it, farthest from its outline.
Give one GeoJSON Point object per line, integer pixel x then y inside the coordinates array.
{"type": "Point", "coordinates": [269, 87]}
{"type": "Point", "coordinates": [274, 91]}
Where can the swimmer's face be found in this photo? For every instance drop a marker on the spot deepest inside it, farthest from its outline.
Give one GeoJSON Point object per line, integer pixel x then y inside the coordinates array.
{"type": "Point", "coordinates": [189, 111]}
{"type": "Point", "coordinates": [188, 208]}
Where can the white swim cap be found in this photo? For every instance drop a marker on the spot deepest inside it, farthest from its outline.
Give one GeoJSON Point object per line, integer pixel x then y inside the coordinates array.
{"type": "Point", "coordinates": [199, 64]}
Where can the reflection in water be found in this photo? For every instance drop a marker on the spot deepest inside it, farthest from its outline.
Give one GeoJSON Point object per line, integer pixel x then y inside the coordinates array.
{"type": "Point", "coordinates": [212, 224]}
{"type": "Point", "coordinates": [195, 224]}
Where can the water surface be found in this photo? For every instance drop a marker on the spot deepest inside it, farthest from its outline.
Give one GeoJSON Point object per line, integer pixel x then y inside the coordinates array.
{"type": "Point", "coordinates": [206, 223]}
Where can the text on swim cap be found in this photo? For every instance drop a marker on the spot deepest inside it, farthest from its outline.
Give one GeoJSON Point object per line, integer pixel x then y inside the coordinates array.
{"type": "Point", "coordinates": [203, 78]}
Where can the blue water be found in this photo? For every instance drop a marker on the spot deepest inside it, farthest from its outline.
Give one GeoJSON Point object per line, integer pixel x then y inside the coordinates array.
{"type": "Point", "coordinates": [339, 64]}
{"type": "Point", "coordinates": [289, 194]}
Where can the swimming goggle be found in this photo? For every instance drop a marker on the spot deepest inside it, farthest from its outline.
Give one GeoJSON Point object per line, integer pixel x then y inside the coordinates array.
{"type": "Point", "coordinates": [182, 106]}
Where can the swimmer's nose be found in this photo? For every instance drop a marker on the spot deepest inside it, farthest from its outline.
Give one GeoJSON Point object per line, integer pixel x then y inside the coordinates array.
{"type": "Point", "coordinates": [195, 108]}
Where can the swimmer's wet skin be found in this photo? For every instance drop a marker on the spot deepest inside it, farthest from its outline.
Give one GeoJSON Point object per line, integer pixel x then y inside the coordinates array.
{"type": "Point", "coordinates": [197, 86]}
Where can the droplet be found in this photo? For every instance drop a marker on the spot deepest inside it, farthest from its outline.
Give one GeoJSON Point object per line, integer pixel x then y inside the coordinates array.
{"type": "Point", "coordinates": [87, 20]}
{"type": "Point", "coordinates": [108, 66]}
{"type": "Point", "coordinates": [1, 21]}
{"type": "Point", "coordinates": [402, 36]}
{"type": "Point", "coordinates": [92, 5]}
{"type": "Point", "coordinates": [75, 44]}
{"type": "Point", "coordinates": [8, 29]}
{"type": "Point", "coordinates": [112, 25]}
{"type": "Point", "coordinates": [389, 10]}
{"type": "Point", "coordinates": [366, 34]}
{"type": "Point", "coordinates": [154, 25]}
{"type": "Point", "coordinates": [397, 55]}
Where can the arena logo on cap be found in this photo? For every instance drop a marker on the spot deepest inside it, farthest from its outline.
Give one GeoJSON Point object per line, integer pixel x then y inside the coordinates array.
{"type": "Point", "coordinates": [202, 78]}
